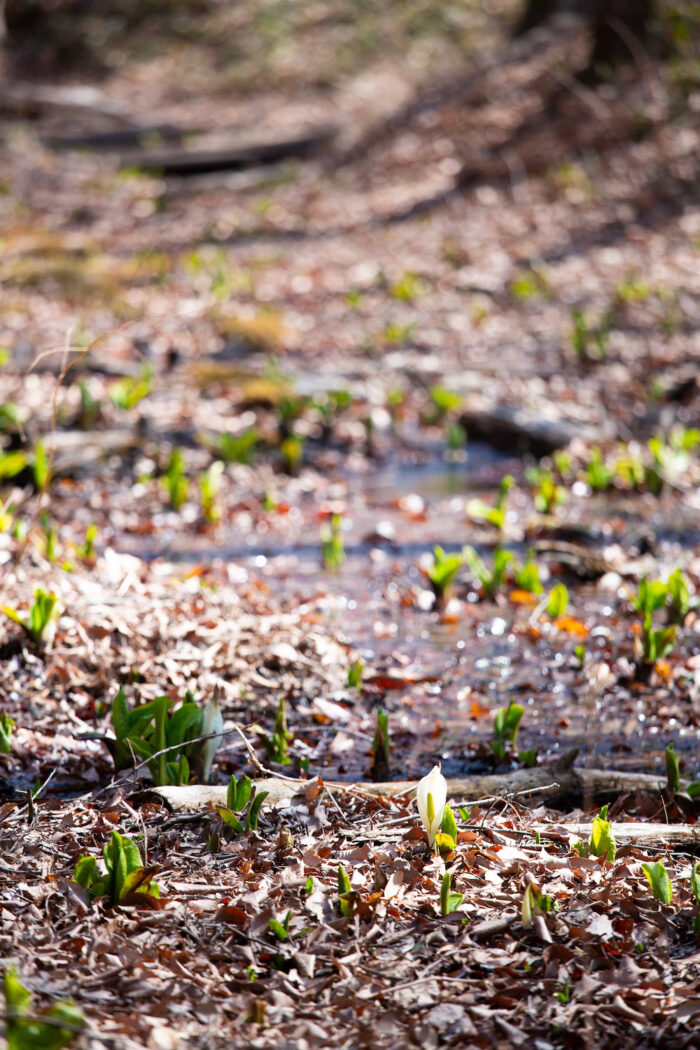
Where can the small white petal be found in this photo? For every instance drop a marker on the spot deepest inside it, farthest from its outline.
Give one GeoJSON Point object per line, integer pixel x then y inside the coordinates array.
{"type": "Point", "coordinates": [433, 784]}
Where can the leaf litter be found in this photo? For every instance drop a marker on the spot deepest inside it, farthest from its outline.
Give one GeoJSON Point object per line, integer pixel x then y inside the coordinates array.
{"type": "Point", "coordinates": [248, 941]}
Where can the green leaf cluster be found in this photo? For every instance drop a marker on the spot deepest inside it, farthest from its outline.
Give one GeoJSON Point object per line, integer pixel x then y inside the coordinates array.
{"type": "Point", "coordinates": [239, 795]}
{"type": "Point", "coordinates": [149, 729]}
{"type": "Point", "coordinates": [602, 840]}
{"type": "Point", "coordinates": [124, 875]}
{"type": "Point", "coordinates": [506, 723]}
{"type": "Point", "coordinates": [673, 596]}
{"type": "Point", "coordinates": [52, 1029]}
{"type": "Point", "coordinates": [43, 614]}
{"type": "Point", "coordinates": [175, 479]}
{"type": "Point", "coordinates": [490, 579]}
{"type": "Point", "coordinates": [654, 643]}
{"type": "Point", "coordinates": [527, 575]}
{"type": "Point", "coordinates": [443, 571]}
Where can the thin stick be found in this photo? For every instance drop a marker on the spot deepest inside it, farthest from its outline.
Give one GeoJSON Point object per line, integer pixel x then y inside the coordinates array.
{"type": "Point", "coordinates": [258, 764]}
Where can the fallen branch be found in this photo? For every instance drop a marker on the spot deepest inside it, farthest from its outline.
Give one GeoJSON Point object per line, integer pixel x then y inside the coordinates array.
{"type": "Point", "coordinates": [231, 158]}
{"type": "Point", "coordinates": [557, 779]}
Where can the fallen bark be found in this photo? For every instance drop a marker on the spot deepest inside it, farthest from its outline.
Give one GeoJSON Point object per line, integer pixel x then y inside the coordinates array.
{"type": "Point", "coordinates": [137, 137]}
{"type": "Point", "coordinates": [516, 430]}
{"type": "Point", "coordinates": [634, 833]}
{"type": "Point", "coordinates": [23, 98]}
{"type": "Point", "coordinates": [557, 779]}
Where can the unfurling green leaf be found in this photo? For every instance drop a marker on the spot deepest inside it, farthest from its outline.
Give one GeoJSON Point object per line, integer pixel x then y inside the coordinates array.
{"type": "Point", "coordinates": [506, 722]}
{"type": "Point", "coordinates": [449, 824]}
{"type": "Point", "coordinates": [602, 841]}
{"type": "Point", "coordinates": [659, 882]}
{"type": "Point", "coordinates": [344, 892]}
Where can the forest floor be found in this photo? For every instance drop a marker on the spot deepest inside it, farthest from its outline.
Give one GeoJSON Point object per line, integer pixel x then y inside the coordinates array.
{"type": "Point", "coordinates": [238, 412]}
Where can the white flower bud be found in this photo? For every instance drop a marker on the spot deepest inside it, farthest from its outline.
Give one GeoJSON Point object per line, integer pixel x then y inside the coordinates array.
{"type": "Point", "coordinates": [431, 797]}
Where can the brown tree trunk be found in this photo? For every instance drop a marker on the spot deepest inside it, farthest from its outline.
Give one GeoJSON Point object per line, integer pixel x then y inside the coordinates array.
{"type": "Point", "coordinates": [620, 30]}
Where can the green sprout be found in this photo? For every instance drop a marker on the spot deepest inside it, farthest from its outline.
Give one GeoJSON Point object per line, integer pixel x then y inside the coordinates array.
{"type": "Point", "coordinates": [678, 601]}
{"type": "Point", "coordinates": [598, 475]}
{"type": "Point", "coordinates": [238, 448]}
{"type": "Point", "coordinates": [443, 571]}
{"type": "Point", "coordinates": [490, 579]}
{"type": "Point", "coordinates": [277, 745]}
{"type": "Point", "coordinates": [90, 408]}
{"type": "Point", "coordinates": [86, 549]}
{"type": "Point", "coordinates": [602, 840]}
{"type": "Point", "coordinates": [695, 887]}
{"type": "Point", "coordinates": [651, 596]}
{"type": "Point", "coordinates": [7, 724]}
{"type": "Point", "coordinates": [589, 339]}
{"type": "Point", "coordinates": [50, 537]}
{"type": "Point", "coordinates": [442, 402]}
{"type": "Point", "coordinates": [546, 493]}
{"type": "Point", "coordinates": [127, 392]}
{"type": "Point", "coordinates": [209, 485]}
{"type": "Point", "coordinates": [44, 613]}
{"type": "Point", "coordinates": [653, 644]}
{"type": "Point", "coordinates": [125, 874]}
{"type": "Point", "coordinates": [659, 882]}
{"type": "Point", "coordinates": [175, 479]}
{"type": "Point", "coordinates": [534, 903]}
{"type": "Point", "coordinates": [446, 839]}
{"type": "Point", "coordinates": [344, 892]}
{"type": "Point", "coordinates": [280, 929]}
{"type": "Point", "coordinates": [558, 601]}
{"type": "Point", "coordinates": [332, 546]}
{"type": "Point", "coordinates": [292, 452]}
{"type": "Point", "coordinates": [407, 288]}
{"type": "Point", "coordinates": [41, 467]}
{"type": "Point", "coordinates": [53, 1029]}
{"type": "Point", "coordinates": [11, 464]}
{"type": "Point", "coordinates": [356, 671]}
{"type": "Point", "coordinates": [506, 724]}
{"type": "Point", "coordinates": [154, 733]}
{"type": "Point", "coordinates": [238, 796]}
{"type": "Point", "coordinates": [381, 745]}
{"type": "Point", "coordinates": [449, 901]}
{"type": "Point", "coordinates": [527, 575]}
{"type": "Point", "coordinates": [496, 515]}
